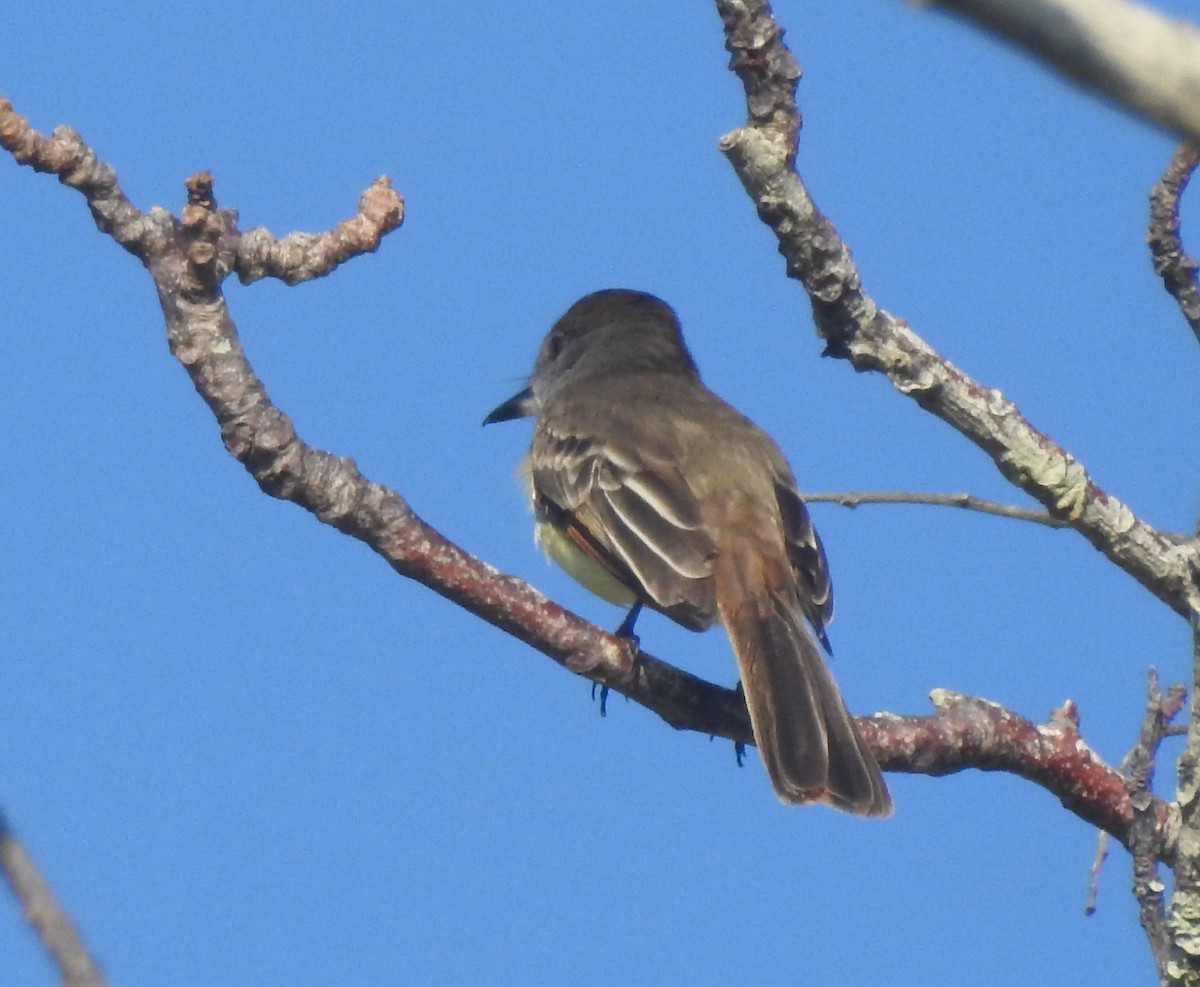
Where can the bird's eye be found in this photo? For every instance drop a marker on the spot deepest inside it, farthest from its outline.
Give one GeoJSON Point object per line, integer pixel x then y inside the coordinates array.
{"type": "Point", "coordinates": [554, 346]}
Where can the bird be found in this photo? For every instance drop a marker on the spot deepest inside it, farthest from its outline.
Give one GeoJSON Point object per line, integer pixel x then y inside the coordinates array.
{"type": "Point", "coordinates": [651, 490]}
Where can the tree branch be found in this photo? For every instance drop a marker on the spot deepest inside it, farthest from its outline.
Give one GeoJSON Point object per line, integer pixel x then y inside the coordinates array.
{"type": "Point", "coordinates": [856, 329]}
{"type": "Point", "coordinates": [1145, 833]}
{"type": "Point", "coordinates": [970, 732]}
{"type": "Point", "coordinates": [1171, 261]}
{"type": "Point", "coordinates": [1134, 56]}
{"type": "Point", "coordinates": [52, 925]}
{"type": "Point", "coordinates": [188, 258]}
{"type": "Point", "coordinates": [1183, 919]}
{"type": "Point", "coordinates": [964, 501]}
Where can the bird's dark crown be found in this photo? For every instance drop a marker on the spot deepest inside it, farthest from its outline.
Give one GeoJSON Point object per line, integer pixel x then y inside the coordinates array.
{"type": "Point", "coordinates": [637, 328]}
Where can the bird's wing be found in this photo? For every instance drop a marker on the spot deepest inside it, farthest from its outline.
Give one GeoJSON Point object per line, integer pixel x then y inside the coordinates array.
{"type": "Point", "coordinates": [806, 554]}
{"type": "Point", "coordinates": [633, 513]}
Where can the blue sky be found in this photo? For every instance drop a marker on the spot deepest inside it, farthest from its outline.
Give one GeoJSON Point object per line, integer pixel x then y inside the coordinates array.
{"type": "Point", "coordinates": [245, 751]}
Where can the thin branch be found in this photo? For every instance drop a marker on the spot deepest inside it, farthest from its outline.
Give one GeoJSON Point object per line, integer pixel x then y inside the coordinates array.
{"type": "Point", "coordinates": [1183, 961]}
{"type": "Point", "coordinates": [1093, 888]}
{"type": "Point", "coordinates": [1171, 261]}
{"type": "Point", "coordinates": [856, 329]}
{"type": "Point", "coordinates": [965, 501]}
{"type": "Point", "coordinates": [65, 155]}
{"type": "Point", "coordinates": [1137, 57]}
{"type": "Point", "coordinates": [1137, 767]}
{"type": "Point", "coordinates": [302, 256]}
{"type": "Point", "coordinates": [50, 923]}
{"type": "Point", "coordinates": [1144, 834]}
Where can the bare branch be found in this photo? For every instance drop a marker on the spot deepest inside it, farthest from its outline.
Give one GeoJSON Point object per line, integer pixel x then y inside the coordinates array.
{"type": "Point", "coordinates": [65, 155]}
{"type": "Point", "coordinates": [301, 256]}
{"type": "Point", "coordinates": [1183, 961]}
{"type": "Point", "coordinates": [1135, 56]}
{"type": "Point", "coordinates": [1171, 261]}
{"type": "Point", "coordinates": [53, 926]}
{"type": "Point", "coordinates": [1101, 855]}
{"type": "Point", "coordinates": [965, 501]}
{"type": "Point", "coordinates": [856, 329]}
{"type": "Point", "coordinates": [977, 733]}
{"type": "Point", "coordinates": [188, 261]}
{"type": "Point", "coordinates": [188, 258]}
{"type": "Point", "coordinates": [1145, 834]}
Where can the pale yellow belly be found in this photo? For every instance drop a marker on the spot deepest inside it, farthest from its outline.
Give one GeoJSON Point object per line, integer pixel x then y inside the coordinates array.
{"type": "Point", "coordinates": [585, 571]}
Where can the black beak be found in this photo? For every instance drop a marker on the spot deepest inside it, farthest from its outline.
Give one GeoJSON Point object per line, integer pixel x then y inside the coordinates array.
{"type": "Point", "coordinates": [518, 406]}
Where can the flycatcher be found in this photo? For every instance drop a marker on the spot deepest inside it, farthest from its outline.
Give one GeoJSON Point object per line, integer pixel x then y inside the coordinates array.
{"type": "Point", "coordinates": [649, 489]}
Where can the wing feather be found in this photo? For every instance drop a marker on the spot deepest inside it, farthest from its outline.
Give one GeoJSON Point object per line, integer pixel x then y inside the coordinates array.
{"type": "Point", "coordinates": [634, 514]}
{"type": "Point", "coordinates": [806, 554]}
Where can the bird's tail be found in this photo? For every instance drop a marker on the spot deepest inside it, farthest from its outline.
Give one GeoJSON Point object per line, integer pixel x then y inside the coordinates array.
{"type": "Point", "coordinates": [809, 744]}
